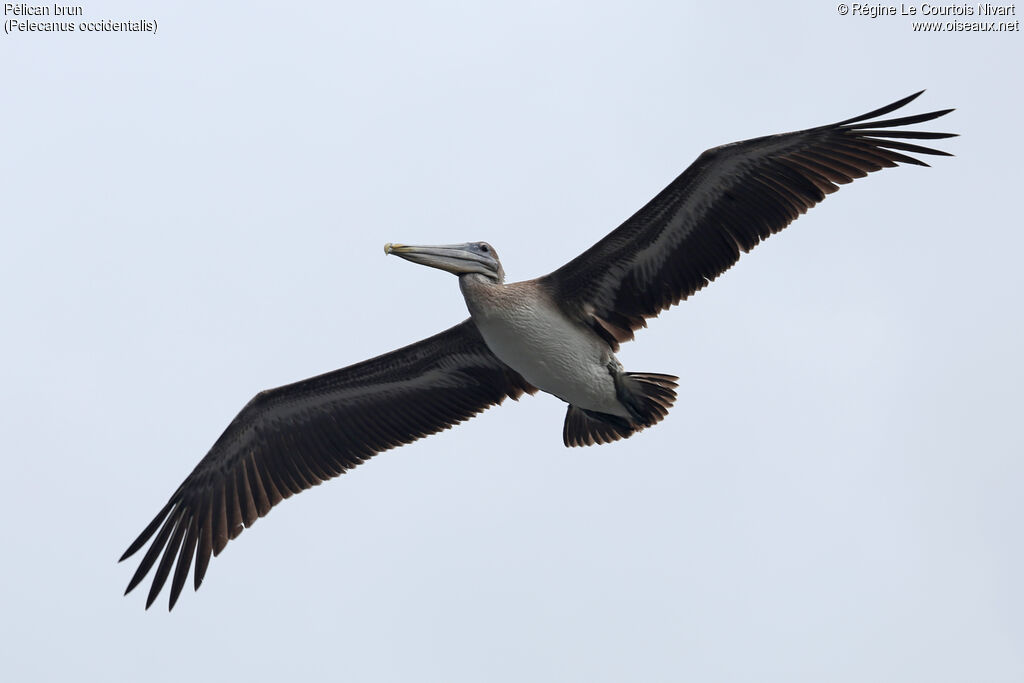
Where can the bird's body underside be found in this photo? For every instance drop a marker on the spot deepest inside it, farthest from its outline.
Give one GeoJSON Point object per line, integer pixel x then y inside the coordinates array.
{"type": "Point", "coordinates": [524, 327]}
{"type": "Point", "coordinates": [557, 333]}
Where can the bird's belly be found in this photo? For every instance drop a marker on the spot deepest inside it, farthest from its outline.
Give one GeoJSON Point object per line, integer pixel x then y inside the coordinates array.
{"type": "Point", "coordinates": [555, 355]}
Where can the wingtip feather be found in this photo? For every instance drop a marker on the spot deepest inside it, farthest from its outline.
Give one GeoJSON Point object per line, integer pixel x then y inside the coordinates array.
{"type": "Point", "coordinates": [882, 111]}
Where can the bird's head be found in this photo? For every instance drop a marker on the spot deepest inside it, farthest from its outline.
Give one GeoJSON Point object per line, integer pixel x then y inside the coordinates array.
{"type": "Point", "coordinates": [462, 259]}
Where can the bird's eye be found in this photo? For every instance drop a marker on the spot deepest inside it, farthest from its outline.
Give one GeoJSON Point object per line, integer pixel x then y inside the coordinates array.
{"type": "Point", "coordinates": [484, 248]}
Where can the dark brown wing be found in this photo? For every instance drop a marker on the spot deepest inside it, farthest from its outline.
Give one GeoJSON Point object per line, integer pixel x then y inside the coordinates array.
{"type": "Point", "coordinates": [727, 201]}
{"type": "Point", "coordinates": [288, 439]}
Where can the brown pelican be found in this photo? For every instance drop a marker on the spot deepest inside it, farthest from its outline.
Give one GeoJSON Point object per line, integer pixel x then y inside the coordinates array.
{"type": "Point", "coordinates": [558, 333]}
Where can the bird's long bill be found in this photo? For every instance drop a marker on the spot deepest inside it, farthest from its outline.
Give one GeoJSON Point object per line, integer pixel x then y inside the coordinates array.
{"type": "Point", "coordinates": [454, 258]}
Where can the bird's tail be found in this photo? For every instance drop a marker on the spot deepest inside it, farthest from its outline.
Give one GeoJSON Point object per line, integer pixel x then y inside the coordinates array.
{"type": "Point", "coordinates": [646, 396]}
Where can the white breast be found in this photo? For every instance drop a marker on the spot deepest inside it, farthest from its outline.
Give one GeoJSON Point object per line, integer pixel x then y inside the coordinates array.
{"type": "Point", "coordinates": [552, 352]}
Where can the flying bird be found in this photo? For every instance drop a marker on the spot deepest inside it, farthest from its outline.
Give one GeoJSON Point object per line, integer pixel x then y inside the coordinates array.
{"type": "Point", "coordinates": [557, 333]}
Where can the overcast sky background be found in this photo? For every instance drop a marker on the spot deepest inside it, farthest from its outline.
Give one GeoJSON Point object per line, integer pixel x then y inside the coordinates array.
{"type": "Point", "coordinates": [191, 217]}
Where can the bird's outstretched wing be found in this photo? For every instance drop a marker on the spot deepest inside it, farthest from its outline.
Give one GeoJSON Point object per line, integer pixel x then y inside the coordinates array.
{"type": "Point", "coordinates": [727, 201]}
{"type": "Point", "coordinates": [288, 439]}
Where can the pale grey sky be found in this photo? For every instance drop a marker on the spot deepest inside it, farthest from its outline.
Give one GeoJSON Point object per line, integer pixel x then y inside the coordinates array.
{"type": "Point", "coordinates": [196, 215]}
